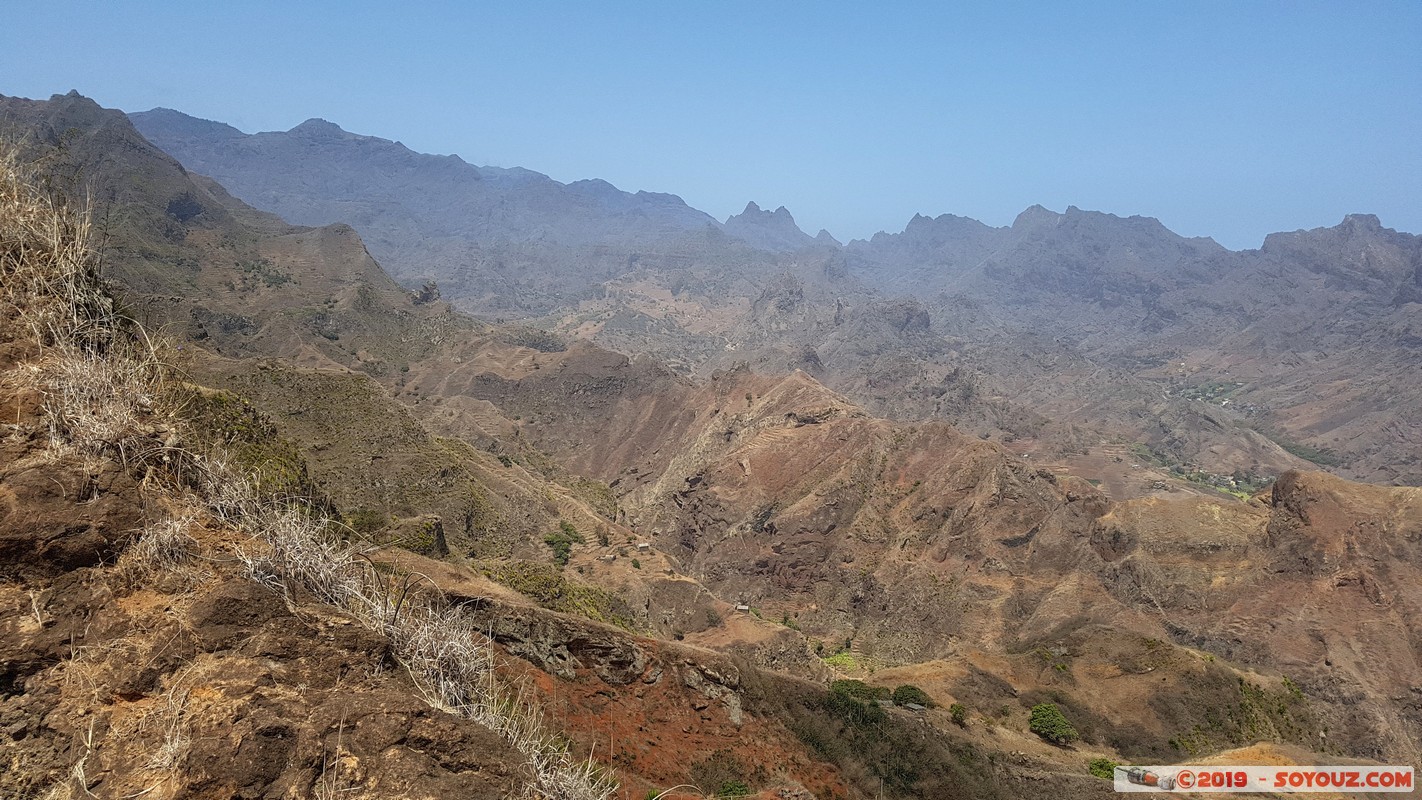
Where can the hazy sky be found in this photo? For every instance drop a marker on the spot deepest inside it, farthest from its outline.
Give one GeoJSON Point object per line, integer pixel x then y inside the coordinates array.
{"type": "Point", "coordinates": [1227, 119]}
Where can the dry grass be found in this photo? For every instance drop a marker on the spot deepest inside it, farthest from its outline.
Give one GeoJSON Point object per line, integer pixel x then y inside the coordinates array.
{"type": "Point", "coordinates": [446, 655]}
{"type": "Point", "coordinates": [164, 549]}
{"type": "Point", "coordinates": [99, 371]}
{"type": "Point", "coordinates": [172, 718]}
{"type": "Point", "coordinates": [103, 382]}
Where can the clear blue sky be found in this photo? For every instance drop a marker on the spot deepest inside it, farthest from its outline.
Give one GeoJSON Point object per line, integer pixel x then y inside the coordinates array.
{"type": "Point", "coordinates": [1228, 119]}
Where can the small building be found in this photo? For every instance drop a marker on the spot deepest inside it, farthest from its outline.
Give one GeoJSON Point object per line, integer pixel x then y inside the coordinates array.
{"type": "Point", "coordinates": [643, 547]}
{"type": "Point", "coordinates": [743, 608]}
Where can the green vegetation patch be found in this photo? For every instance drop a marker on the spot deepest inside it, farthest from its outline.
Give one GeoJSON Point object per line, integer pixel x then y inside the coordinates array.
{"type": "Point", "coordinates": [547, 586]}
{"type": "Point", "coordinates": [365, 520]}
{"type": "Point", "coordinates": [908, 693]}
{"type": "Point", "coordinates": [220, 420]}
{"type": "Point", "coordinates": [890, 755]}
{"type": "Point", "coordinates": [1211, 391]}
{"type": "Point", "coordinates": [562, 540]}
{"type": "Point", "coordinates": [1103, 768]}
{"type": "Point", "coordinates": [1321, 456]}
{"type": "Point", "coordinates": [1048, 722]}
{"type": "Point", "coordinates": [264, 271]}
{"type": "Point", "coordinates": [1255, 714]}
{"type": "Point", "coordinates": [859, 690]}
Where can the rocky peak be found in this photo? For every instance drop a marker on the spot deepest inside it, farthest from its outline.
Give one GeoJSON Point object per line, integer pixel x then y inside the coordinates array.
{"type": "Point", "coordinates": [1035, 216]}
{"type": "Point", "coordinates": [1362, 222]}
{"type": "Point", "coordinates": [768, 230]}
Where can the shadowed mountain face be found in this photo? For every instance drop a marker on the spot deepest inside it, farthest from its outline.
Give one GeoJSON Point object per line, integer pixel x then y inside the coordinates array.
{"type": "Point", "coordinates": [497, 240]}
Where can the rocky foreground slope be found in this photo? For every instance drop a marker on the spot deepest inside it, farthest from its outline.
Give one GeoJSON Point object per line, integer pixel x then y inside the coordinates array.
{"type": "Point", "coordinates": [175, 629]}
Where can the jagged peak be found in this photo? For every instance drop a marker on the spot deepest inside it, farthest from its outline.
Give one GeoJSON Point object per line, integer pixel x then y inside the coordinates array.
{"type": "Point", "coordinates": [754, 213]}
{"type": "Point", "coordinates": [1351, 225]}
{"type": "Point", "coordinates": [1036, 214]}
{"type": "Point", "coordinates": [1368, 222]}
{"type": "Point", "coordinates": [74, 98]}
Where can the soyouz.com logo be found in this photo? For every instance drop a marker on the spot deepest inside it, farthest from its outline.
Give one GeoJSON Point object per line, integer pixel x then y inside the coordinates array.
{"type": "Point", "coordinates": [1263, 779]}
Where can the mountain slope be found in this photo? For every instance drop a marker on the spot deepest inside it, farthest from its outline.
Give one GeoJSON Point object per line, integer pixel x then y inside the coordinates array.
{"type": "Point", "coordinates": [478, 230]}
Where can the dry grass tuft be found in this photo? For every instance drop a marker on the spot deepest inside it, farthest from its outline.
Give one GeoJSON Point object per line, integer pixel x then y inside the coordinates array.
{"type": "Point", "coordinates": [98, 369]}
{"type": "Point", "coordinates": [164, 549]}
{"type": "Point", "coordinates": [172, 717]}
{"type": "Point", "coordinates": [449, 659]}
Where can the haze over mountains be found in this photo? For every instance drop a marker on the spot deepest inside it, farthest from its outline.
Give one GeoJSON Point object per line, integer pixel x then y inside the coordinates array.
{"type": "Point", "coordinates": [1072, 328]}
{"type": "Point", "coordinates": [760, 475]}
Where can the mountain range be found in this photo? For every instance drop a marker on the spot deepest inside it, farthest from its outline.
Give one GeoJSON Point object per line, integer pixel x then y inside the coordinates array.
{"type": "Point", "coordinates": [1065, 330]}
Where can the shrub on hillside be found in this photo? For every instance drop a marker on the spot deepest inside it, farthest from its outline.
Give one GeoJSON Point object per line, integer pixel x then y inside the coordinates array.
{"type": "Point", "coordinates": [1048, 722]}
{"type": "Point", "coordinates": [859, 690]}
{"type": "Point", "coordinates": [854, 702]}
{"type": "Point", "coordinates": [561, 542]}
{"type": "Point", "coordinates": [908, 693]}
{"type": "Point", "coordinates": [1103, 768]}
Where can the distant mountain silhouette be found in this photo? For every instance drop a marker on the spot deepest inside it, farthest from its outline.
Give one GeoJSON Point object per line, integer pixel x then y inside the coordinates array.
{"type": "Point", "coordinates": [768, 230]}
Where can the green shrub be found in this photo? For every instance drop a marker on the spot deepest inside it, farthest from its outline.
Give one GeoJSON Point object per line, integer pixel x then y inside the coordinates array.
{"type": "Point", "coordinates": [859, 690]}
{"type": "Point", "coordinates": [854, 711]}
{"type": "Point", "coordinates": [1047, 722]}
{"type": "Point", "coordinates": [1103, 768]}
{"type": "Point", "coordinates": [636, 564]}
{"type": "Point", "coordinates": [959, 713]}
{"type": "Point", "coordinates": [908, 693]}
{"type": "Point", "coordinates": [733, 789]}
{"type": "Point", "coordinates": [561, 542]}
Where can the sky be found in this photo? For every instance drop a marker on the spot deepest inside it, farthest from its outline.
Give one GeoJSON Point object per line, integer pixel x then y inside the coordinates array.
{"type": "Point", "coordinates": [1223, 119]}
